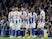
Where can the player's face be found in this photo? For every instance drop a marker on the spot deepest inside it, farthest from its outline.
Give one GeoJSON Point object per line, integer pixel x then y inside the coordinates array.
{"type": "Point", "coordinates": [22, 9]}
{"type": "Point", "coordinates": [40, 9]}
{"type": "Point", "coordinates": [16, 9]}
{"type": "Point", "coordinates": [13, 9]}
{"type": "Point", "coordinates": [27, 10]}
{"type": "Point", "coordinates": [32, 9]}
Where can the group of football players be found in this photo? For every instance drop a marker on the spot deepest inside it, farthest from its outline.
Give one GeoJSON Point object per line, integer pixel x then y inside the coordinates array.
{"type": "Point", "coordinates": [23, 22]}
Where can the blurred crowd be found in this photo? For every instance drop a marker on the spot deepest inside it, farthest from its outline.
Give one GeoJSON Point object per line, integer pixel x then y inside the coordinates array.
{"type": "Point", "coordinates": [6, 5]}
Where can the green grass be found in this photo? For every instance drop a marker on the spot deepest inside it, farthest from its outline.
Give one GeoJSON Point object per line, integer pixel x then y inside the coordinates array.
{"type": "Point", "coordinates": [22, 38]}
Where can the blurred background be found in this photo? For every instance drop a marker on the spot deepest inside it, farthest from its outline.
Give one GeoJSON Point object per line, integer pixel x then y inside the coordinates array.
{"type": "Point", "coordinates": [6, 5]}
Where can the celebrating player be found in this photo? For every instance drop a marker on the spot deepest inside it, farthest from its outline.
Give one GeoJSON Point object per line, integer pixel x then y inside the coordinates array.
{"type": "Point", "coordinates": [41, 21]}
{"type": "Point", "coordinates": [14, 19]}
{"type": "Point", "coordinates": [27, 23]}
{"type": "Point", "coordinates": [23, 16]}
{"type": "Point", "coordinates": [11, 21]}
{"type": "Point", "coordinates": [33, 18]}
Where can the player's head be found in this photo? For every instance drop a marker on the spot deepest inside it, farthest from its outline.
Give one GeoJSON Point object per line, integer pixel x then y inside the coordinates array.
{"type": "Point", "coordinates": [19, 8]}
{"type": "Point", "coordinates": [22, 9]}
{"type": "Point", "coordinates": [13, 8]}
{"type": "Point", "coordinates": [40, 8]}
{"type": "Point", "coordinates": [27, 10]}
{"type": "Point", "coordinates": [32, 9]}
{"type": "Point", "coordinates": [16, 8]}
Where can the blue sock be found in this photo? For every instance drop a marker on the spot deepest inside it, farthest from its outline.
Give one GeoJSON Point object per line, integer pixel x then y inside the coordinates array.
{"type": "Point", "coordinates": [18, 32]}
{"type": "Point", "coordinates": [12, 32]}
{"type": "Point", "coordinates": [29, 32]}
{"type": "Point", "coordinates": [33, 32]}
{"type": "Point", "coordinates": [2, 32]}
{"type": "Point", "coordinates": [41, 32]}
{"type": "Point", "coordinates": [22, 33]}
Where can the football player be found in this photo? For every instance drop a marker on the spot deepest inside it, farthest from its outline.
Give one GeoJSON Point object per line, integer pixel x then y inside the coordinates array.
{"type": "Point", "coordinates": [14, 19]}
{"type": "Point", "coordinates": [32, 20]}
{"type": "Point", "coordinates": [27, 23]}
{"type": "Point", "coordinates": [41, 22]}
{"type": "Point", "coordinates": [23, 16]}
{"type": "Point", "coordinates": [11, 21]}
{"type": "Point", "coordinates": [18, 22]}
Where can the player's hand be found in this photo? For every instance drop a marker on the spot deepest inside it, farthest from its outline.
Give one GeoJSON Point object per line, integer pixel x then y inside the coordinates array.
{"type": "Point", "coordinates": [10, 27]}
{"type": "Point", "coordinates": [22, 17]}
{"type": "Point", "coordinates": [38, 19]}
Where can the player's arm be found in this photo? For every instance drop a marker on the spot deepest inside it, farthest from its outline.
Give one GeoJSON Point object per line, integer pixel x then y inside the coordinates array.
{"type": "Point", "coordinates": [36, 18]}
{"type": "Point", "coordinates": [30, 16]}
{"type": "Point", "coordinates": [22, 16]}
{"type": "Point", "coordinates": [9, 18]}
{"type": "Point", "coordinates": [41, 16]}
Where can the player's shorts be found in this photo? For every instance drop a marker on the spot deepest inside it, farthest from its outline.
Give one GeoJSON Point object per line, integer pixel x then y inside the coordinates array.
{"type": "Point", "coordinates": [45, 31]}
{"type": "Point", "coordinates": [27, 25]}
{"type": "Point", "coordinates": [15, 26]}
{"type": "Point", "coordinates": [32, 25]}
{"type": "Point", "coordinates": [41, 24]}
{"type": "Point", "coordinates": [24, 25]}
{"type": "Point", "coordinates": [18, 26]}
{"type": "Point", "coordinates": [11, 24]}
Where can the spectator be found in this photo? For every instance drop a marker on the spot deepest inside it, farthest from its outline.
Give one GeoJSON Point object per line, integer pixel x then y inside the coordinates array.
{"type": "Point", "coordinates": [0, 25]}
{"type": "Point", "coordinates": [4, 24]}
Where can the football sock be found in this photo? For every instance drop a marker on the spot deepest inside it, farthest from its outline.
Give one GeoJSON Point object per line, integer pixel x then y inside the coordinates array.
{"type": "Point", "coordinates": [18, 32]}
{"type": "Point", "coordinates": [33, 32]}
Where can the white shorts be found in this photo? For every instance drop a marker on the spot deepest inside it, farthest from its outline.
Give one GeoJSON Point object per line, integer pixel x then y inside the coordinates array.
{"type": "Point", "coordinates": [11, 24]}
{"type": "Point", "coordinates": [41, 25]}
{"type": "Point", "coordinates": [15, 26]}
{"type": "Point", "coordinates": [24, 25]}
{"type": "Point", "coordinates": [33, 25]}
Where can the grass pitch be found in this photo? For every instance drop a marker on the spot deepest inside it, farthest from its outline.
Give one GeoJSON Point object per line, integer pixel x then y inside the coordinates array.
{"type": "Point", "coordinates": [23, 38]}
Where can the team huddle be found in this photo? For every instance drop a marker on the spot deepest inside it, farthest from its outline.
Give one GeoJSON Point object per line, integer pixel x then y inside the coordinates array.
{"type": "Point", "coordinates": [22, 21]}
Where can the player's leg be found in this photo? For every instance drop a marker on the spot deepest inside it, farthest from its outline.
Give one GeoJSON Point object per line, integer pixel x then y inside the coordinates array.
{"type": "Point", "coordinates": [24, 30]}
{"type": "Point", "coordinates": [12, 31]}
{"type": "Point", "coordinates": [30, 26]}
{"type": "Point", "coordinates": [27, 33]}
{"type": "Point", "coordinates": [27, 30]}
{"type": "Point", "coordinates": [41, 30]}
{"type": "Point", "coordinates": [45, 31]}
{"type": "Point", "coordinates": [21, 29]}
{"type": "Point", "coordinates": [18, 31]}
{"type": "Point", "coordinates": [33, 29]}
